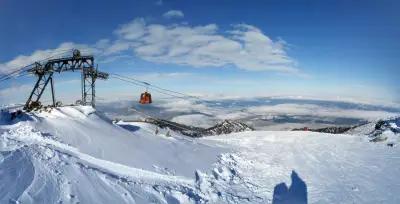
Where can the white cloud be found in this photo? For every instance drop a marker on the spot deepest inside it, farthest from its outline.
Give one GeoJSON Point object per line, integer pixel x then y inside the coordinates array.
{"type": "Point", "coordinates": [113, 58]}
{"type": "Point", "coordinates": [320, 111]}
{"type": "Point", "coordinates": [193, 106]}
{"type": "Point", "coordinates": [173, 14]}
{"type": "Point", "coordinates": [204, 114]}
{"type": "Point", "coordinates": [116, 47]}
{"type": "Point", "coordinates": [39, 55]}
{"type": "Point", "coordinates": [197, 120]}
{"type": "Point", "coordinates": [184, 106]}
{"type": "Point", "coordinates": [132, 30]}
{"type": "Point", "coordinates": [18, 93]}
{"type": "Point", "coordinates": [12, 90]}
{"type": "Point", "coordinates": [244, 46]}
{"type": "Point", "coordinates": [14, 93]}
{"type": "Point", "coordinates": [159, 3]}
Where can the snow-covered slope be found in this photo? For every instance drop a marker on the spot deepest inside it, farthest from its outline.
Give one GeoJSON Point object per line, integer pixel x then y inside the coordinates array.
{"type": "Point", "coordinates": [74, 154]}
{"type": "Point", "coordinates": [226, 127]}
{"type": "Point", "coordinates": [335, 168]}
{"type": "Point", "coordinates": [387, 131]}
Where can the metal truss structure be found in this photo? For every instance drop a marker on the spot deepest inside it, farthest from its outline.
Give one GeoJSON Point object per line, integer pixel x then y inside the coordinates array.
{"type": "Point", "coordinates": [45, 71]}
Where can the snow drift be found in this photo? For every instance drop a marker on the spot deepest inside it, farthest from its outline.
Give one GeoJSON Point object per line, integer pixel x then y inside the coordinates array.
{"type": "Point", "coordinates": [73, 154]}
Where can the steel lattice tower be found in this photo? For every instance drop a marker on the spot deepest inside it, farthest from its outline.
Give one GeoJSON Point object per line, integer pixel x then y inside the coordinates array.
{"type": "Point", "coordinates": [44, 72]}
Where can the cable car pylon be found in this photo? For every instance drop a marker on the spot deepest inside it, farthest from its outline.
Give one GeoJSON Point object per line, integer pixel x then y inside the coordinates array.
{"type": "Point", "coordinates": [45, 71]}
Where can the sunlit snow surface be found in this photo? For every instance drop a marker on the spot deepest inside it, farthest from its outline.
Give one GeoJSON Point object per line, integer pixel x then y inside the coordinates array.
{"type": "Point", "coordinates": [74, 154]}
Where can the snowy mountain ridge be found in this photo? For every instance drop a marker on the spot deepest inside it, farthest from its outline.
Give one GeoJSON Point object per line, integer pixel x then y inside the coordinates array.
{"type": "Point", "coordinates": [71, 155]}
{"type": "Point", "coordinates": [387, 131]}
{"type": "Point", "coordinates": [224, 127]}
{"type": "Point", "coordinates": [227, 127]}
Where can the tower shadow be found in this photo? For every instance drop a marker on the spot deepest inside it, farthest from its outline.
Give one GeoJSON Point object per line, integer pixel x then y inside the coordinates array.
{"type": "Point", "coordinates": [295, 194]}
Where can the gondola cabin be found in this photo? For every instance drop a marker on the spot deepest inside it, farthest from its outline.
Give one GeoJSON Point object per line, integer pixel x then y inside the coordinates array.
{"type": "Point", "coordinates": [145, 98]}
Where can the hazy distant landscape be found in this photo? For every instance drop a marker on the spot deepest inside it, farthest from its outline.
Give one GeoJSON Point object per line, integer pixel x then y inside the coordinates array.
{"type": "Point", "coordinates": [265, 113]}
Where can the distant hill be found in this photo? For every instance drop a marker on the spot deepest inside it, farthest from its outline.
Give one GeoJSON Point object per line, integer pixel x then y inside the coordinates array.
{"type": "Point", "coordinates": [381, 131]}
{"type": "Point", "coordinates": [225, 127]}
{"type": "Point", "coordinates": [332, 130]}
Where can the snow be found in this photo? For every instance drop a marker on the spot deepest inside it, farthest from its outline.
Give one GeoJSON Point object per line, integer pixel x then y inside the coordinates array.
{"type": "Point", "coordinates": [74, 154]}
{"type": "Point", "coordinates": [336, 168]}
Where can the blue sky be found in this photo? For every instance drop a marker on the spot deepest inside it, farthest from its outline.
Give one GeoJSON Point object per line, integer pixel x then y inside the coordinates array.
{"type": "Point", "coordinates": [321, 49]}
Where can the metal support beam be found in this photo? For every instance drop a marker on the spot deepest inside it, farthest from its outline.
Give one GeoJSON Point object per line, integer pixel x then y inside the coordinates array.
{"type": "Point", "coordinates": [44, 86]}
{"type": "Point", "coordinates": [89, 79]}
{"type": "Point", "coordinates": [53, 97]}
{"type": "Point", "coordinates": [83, 86]}
{"type": "Point", "coordinates": [93, 92]}
{"type": "Point", "coordinates": [77, 62]}
{"type": "Point", "coordinates": [33, 92]}
{"type": "Point", "coordinates": [38, 90]}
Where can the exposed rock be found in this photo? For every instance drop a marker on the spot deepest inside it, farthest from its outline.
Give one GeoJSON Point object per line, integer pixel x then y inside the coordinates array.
{"type": "Point", "coordinates": [225, 127]}
{"type": "Point", "coordinates": [332, 130]}
{"type": "Point", "coordinates": [386, 130]}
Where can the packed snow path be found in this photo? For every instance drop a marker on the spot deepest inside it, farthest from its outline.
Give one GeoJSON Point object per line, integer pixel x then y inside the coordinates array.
{"type": "Point", "coordinates": [74, 155]}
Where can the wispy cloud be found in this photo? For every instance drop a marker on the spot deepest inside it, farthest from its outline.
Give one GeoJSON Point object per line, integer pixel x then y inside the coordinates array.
{"type": "Point", "coordinates": [16, 89]}
{"type": "Point", "coordinates": [173, 14]}
{"type": "Point", "coordinates": [244, 46]}
{"type": "Point", "coordinates": [39, 55]}
{"type": "Point", "coordinates": [113, 58]}
{"type": "Point", "coordinates": [19, 92]}
{"type": "Point", "coordinates": [159, 2]}
{"type": "Point", "coordinates": [260, 113]}
{"type": "Point", "coordinates": [320, 111]}
{"type": "Point", "coordinates": [14, 93]}
{"type": "Point", "coordinates": [275, 110]}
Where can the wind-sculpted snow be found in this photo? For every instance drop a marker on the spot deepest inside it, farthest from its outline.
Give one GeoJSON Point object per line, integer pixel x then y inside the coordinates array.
{"type": "Point", "coordinates": [63, 174]}
{"type": "Point", "coordinates": [73, 155]}
{"type": "Point", "coordinates": [16, 174]}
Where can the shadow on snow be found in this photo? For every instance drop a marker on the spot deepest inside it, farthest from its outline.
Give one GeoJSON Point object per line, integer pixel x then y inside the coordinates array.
{"type": "Point", "coordinates": [131, 128]}
{"type": "Point", "coordinates": [296, 193]}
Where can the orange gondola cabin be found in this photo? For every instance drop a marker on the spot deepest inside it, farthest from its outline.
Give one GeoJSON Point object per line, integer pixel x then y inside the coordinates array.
{"type": "Point", "coordinates": [145, 98]}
